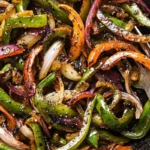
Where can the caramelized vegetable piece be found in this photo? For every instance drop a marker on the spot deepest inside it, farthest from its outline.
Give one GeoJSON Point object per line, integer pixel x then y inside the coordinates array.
{"type": "Point", "coordinates": [28, 74]}
{"type": "Point", "coordinates": [89, 21]}
{"type": "Point", "coordinates": [120, 31]}
{"type": "Point", "coordinates": [77, 40]}
{"type": "Point", "coordinates": [111, 61]}
{"type": "Point", "coordinates": [102, 47]}
{"type": "Point", "coordinates": [10, 50]}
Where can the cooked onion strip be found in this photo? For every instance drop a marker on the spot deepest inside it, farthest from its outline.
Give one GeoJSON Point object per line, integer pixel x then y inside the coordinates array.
{"type": "Point", "coordinates": [7, 138]}
{"type": "Point", "coordinates": [69, 72]}
{"type": "Point", "coordinates": [49, 57]}
{"type": "Point", "coordinates": [135, 102]}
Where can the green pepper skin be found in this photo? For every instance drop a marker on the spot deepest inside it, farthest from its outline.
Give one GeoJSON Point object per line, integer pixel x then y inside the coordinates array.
{"type": "Point", "coordinates": [75, 143]}
{"type": "Point", "coordinates": [6, 68]}
{"type": "Point", "coordinates": [6, 147]}
{"type": "Point", "coordinates": [22, 6]}
{"type": "Point", "coordinates": [38, 136]}
{"type": "Point", "coordinates": [89, 73]}
{"type": "Point", "coordinates": [109, 118]}
{"type": "Point", "coordinates": [35, 21]}
{"type": "Point", "coordinates": [136, 13]}
{"type": "Point", "coordinates": [47, 81]}
{"type": "Point", "coordinates": [106, 135]}
{"type": "Point", "coordinates": [20, 64]}
{"type": "Point", "coordinates": [86, 4]}
{"type": "Point", "coordinates": [57, 109]}
{"type": "Point", "coordinates": [44, 107]}
{"type": "Point", "coordinates": [56, 11]}
{"type": "Point", "coordinates": [93, 137]}
{"type": "Point", "coordinates": [117, 21]}
{"type": "Point", "coordinates": [143, 125]}
{"type": "Point", "coordinates": [11, 105]}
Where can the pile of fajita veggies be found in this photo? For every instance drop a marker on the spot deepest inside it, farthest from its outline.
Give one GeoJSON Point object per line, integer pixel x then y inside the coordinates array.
{"type": "Point", "coordinates": [74, 74]}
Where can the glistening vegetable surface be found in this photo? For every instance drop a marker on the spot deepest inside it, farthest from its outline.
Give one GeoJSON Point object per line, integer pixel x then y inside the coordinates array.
{"type": "Point", "coordinates": [70, 72]}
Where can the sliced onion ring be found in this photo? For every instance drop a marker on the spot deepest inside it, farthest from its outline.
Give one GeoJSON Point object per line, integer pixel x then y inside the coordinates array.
{"type": "Point", "coordinates": [55, 97]}
{"type": "Point", "coordinates": [7, 138]}
{"type": "Point", "coordinates": [69, 72]}
{"type": "Point", "coordinates": [135, 102]}
{"type": "Point", "coordinates": [49, 57]}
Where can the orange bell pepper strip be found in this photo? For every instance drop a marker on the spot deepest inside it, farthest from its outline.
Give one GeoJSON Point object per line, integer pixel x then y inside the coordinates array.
{"type": "Point", "coordinates": [12, 123]}
{"type": "Point", "coordinates": [102, 47]}
{"type": "Point", "coordinates": [120, 147]}
{"type": "Point", "coordinates": [111, 61]}
{"type": "Point", "coordinates": [77, 40]}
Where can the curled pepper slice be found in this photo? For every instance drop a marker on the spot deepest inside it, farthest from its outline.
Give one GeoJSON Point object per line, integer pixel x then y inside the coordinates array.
{"type": "Point", "coordinates": [102, 47]}
{"type": "Point", "coordinates": [77, 40]}
{"type": "Point", "coordinates": [9, 104]}
{"type": "Point", "coordinates": [120, 31]}
{"type": "Point", "coordinates": [89, 21]}
{"type": "Point", "coordinates": [143, 125]}
{"type": "Point", "coordinates": [38, 136]}
{"type": "Point", "coordinates": [52, 6]}
{"type": "Point", "coordinates": [36, 21]}
{"type": "Point", "coordinates": [52, 108]}
{"type": "Point", "coordinates": [10, 50]}
{"type": "Point", "coordinates": [136, 13]}
{"type": "Point", "coordinates": [28, 75]}
{"type": "Point", "coordinates": [111, 61]}
{"type": "Point", "coordinates": [109, 118]}
{"type": "Point", "coordinates": [74, 144]}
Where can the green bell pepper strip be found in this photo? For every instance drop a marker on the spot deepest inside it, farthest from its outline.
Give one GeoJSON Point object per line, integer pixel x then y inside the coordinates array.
{"type": "Point", "coordinates": [136, 13]}
{"type": "Point", "coordinates": [11, 105]}
{"type": "Point", "coordinates": [6, 147]}
{"type": "Point", "coordinates": [6, 68]}
{"type": "Point", "coordinates": [143, 125]}
{"type": "Point", "coordinates": [57, 109]}
{"type": "Point", "coordinates": [86, 75]}
{"type": "Point", "coordinates": [55, 10]}
{"type": "Point", "coordinates": [93, 137]}
{"type": "Point", "coordinates": [47, 80]}
{"type": "Point", "coordinates": [117, 21]}
{"type": "Point", "coordinates": [75, 143]}
{"type": "Point", "coordinates": [109, 118]}
{"type": "Point", "coordinates": [97, 120]}
{"type": "Point", "coordinates": [38, 136]}
{"type": "Point", "coordinates": [20, 64]}
{"type": "Point", "coordinates": [35, 21]}
{"type": "Point", "coordinates": [85, 9]}
{"type": "Point", "coordinates": [106, 135]}
{"type": "Point", "coordinates": [57, 140]}
{"type": "Point", "coordinates": [22, 6]}
{"type": "Point", "coordinates": [44, 107]}
{"type": "Point", "coordinates": [61, 32]}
